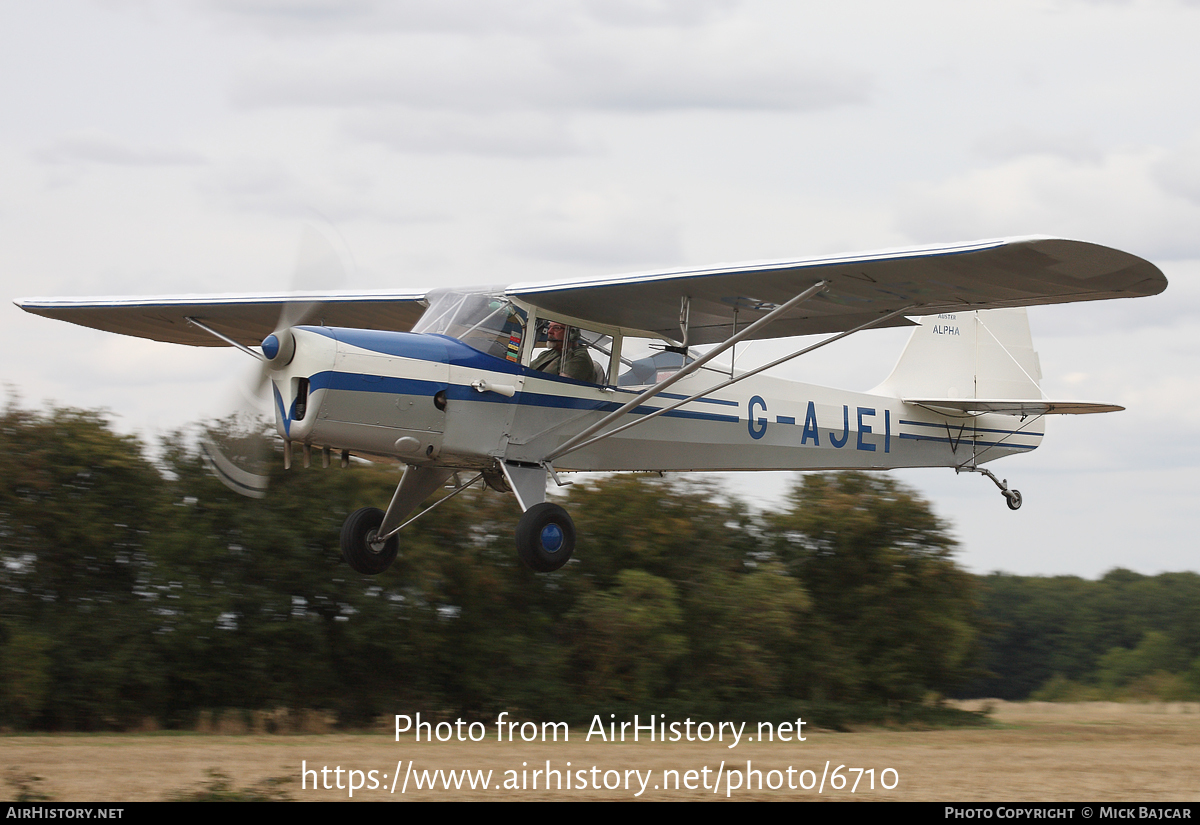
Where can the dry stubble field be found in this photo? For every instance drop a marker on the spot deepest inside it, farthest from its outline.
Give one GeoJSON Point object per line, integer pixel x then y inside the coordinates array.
{"type": "Point", "coordinates": [1033, 752]}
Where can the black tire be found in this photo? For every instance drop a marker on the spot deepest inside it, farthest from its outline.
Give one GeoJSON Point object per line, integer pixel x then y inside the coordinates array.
{"type": "Point", "coordinates": [545, 537]}
{"type": "Point", "coordinates": [1014, 499]}
{"type": "Point", "coordinates": [357, 549]}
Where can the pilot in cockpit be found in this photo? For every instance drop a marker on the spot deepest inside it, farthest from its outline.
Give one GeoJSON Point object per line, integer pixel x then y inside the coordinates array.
{"type": "Point", "coordinates": [575, 363]}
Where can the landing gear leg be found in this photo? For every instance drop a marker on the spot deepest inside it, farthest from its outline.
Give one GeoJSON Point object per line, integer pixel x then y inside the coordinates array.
{"type": "Point", "coordinates": [1011, 497]}
{"type": "Point", "coordinates": [362, 547]}
{"type": "Point", "coordinates": [545, 533]}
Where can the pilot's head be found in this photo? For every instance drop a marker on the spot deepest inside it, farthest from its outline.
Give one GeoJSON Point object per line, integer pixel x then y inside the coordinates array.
{"type": "Point", "coordinates": [555, 334]}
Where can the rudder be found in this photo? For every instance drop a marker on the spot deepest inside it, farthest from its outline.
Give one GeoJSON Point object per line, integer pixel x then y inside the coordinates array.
{"type": "Point", "coordinates": [982, 354]}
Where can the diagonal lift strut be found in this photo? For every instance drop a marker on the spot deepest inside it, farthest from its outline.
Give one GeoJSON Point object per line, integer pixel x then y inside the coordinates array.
{"type": "Point", "coordinates": [577, 444]}
{"type": "Point", "coordinates": [572, 443]}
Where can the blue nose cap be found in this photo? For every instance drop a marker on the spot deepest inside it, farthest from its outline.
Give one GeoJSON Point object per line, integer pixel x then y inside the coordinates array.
{"type": "Point", "coordinates": [270, 347]}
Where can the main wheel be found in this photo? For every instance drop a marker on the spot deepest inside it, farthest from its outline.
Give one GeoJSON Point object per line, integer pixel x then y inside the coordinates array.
{"type": "Point", "coordinates": [1014, 499]}
{"type": "Point", "coordinates": [545, 537]}
{"type": "Point", "coordinates": [360, 548]}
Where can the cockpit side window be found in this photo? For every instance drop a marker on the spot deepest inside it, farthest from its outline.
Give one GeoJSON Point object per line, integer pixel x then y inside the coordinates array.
{"type": "Point", "coordinates": [572, 352]}
{"type": "Point", "coordinates": [645, 362]}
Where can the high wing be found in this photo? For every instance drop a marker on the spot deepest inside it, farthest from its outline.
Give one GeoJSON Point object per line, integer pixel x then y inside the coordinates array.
{"type": "Point", "coordinates": [862, 288]}
{"type": "Point", "coordinates": [1010, 272]}
{"type": "Point", "coordinates": [246, 319]}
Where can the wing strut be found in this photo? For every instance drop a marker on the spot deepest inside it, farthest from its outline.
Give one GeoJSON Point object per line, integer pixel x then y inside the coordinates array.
{"type": "Point", "coordinates": [224, 338]}
{"type": "Point", "coordinates": [688, 369]}
{"type": "Point", "coordinates": [756, 371]}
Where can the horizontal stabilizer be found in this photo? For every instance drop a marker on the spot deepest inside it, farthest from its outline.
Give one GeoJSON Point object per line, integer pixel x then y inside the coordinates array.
{"type": "Point", "coordinates": [1013, 406]}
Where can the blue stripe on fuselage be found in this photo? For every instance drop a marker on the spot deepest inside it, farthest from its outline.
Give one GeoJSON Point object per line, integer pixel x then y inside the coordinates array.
{"type": "Point", "coordinates": [975, 441]}
{"type": "Point", "coordinates": [442, 349]}
{"type": "Point", "coordinates": [967, 426]}
{"type": "Point", "coordinates": [359, 382]}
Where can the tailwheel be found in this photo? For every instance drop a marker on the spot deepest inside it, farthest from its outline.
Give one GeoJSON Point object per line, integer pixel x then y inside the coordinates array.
{"type": "Point", "coordinates": [361, 547]}
{"type": "Point", "coordinates": [1011, 497]}
{"type": "Point", "coordinates": [545, 537]}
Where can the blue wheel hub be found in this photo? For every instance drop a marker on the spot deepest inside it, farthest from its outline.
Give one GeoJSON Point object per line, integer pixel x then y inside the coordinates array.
{"type": "Point", "coordinates": [552, 538]}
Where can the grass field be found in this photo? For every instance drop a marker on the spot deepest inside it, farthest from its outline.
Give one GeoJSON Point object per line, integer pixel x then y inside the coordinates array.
{"type": "Point", "coordinates": [1032, 752]}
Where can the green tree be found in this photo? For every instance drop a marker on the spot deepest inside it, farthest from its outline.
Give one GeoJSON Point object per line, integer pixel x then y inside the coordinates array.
{"type": "Point", "coordinates": [132, 589]}
{"type": "Point", "coordinates": [1060, 628]}
{"type": "Point", "coordinates": [626, 641]}
{"type": "Point", "coordinates": [752, 640]}
{"type": "Point", "coordinates": [897, 613]}
{"type": "Point", "coordinates": [77, 504]}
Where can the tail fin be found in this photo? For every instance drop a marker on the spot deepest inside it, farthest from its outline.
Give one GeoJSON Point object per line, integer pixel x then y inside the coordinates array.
{"type": "Point", "coordinates": [986, 354]}
{"type": "Point", "coordinates": [977, 362]}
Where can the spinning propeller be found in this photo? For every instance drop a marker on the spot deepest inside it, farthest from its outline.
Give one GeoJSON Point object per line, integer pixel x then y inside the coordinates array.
{"type": "Point", "coordinates": [237, 455]}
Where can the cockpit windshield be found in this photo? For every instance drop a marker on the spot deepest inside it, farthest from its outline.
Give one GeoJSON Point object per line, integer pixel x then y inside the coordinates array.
{"type": "Point", "coordinates": [486, 320]}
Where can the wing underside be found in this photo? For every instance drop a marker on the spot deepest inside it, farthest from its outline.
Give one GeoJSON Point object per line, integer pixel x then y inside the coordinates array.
{"type": "Point", "coordinates": [246, 319]}
{"type": "Point", "coordinates": [921, 281]}
{"type": "Point", "coordinates": [717, 301]}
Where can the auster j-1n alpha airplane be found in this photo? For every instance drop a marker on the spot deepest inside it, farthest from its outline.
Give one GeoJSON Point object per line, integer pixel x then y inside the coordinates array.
{"type": "Point", "coordinates": [445, 382]}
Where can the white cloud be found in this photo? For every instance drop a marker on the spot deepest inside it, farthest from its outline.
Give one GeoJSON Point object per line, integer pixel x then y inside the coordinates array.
{"type": "Point", "coordinates": [1118, 202]}
{"type": "Point", "coordinates": [643, 71]}
{"type": "Point", "coordinates": [656, 12]}
{"type": "Point", "coordinates": [94, 146]}
{"type": "Point", "coordinates": [326, 17]}
{"type": "Point", "coordinates": [604, 227]}
{"type": "Point", "coordinates": [1178, 171]}
{"type": "Point", "coordinates": [516, 135]}
{"type": "Point", "coordinates": [1018, 142]}
{"type": "Point", "coordinates": [278, 188]}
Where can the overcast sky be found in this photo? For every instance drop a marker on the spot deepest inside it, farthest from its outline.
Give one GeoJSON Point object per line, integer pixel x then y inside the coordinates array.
{"type": "Point", "coordinates": [153, 147]}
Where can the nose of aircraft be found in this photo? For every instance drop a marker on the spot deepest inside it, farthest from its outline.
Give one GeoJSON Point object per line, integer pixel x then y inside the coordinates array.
{"type": "Point", "coordinates": [279, 348]}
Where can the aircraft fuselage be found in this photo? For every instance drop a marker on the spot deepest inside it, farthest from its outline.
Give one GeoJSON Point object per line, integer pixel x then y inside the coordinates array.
{"type": "Point", "coordinates": [432, 400]}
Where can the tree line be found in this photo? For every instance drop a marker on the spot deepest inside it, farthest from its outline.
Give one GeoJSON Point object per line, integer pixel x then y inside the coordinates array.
{"type": "Point", "coordinates": [133, 587]}
{"type": "Point", "coordinates": [1063, 638]}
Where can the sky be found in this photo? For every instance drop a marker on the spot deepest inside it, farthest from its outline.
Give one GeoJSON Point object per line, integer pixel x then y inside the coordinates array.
{"type": "Point", "coordinates": [153, 148]}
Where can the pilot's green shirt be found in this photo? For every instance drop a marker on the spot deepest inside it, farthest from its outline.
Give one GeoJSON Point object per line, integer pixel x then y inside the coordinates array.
{"type": "Point", "coordinates": [578, 364]}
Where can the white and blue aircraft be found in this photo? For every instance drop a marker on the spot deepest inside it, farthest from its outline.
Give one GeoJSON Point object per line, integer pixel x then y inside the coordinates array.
{"type": "Point", "coordinates": [444, 382]}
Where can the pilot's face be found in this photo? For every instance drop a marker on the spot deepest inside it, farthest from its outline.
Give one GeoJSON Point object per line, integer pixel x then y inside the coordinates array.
{"type": "Point", "coordinates": [554, 335]}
